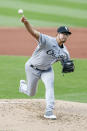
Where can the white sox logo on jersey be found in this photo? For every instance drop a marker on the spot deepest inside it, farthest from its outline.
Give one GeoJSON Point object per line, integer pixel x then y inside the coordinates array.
{"type": "Point", "coordinates": [58, 56]}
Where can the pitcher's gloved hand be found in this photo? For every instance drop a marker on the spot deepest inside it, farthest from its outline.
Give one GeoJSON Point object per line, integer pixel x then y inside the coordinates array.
{"type": "Point", "coordinates": [68, 66]}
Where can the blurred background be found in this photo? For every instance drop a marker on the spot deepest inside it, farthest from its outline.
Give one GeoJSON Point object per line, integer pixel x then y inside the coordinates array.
{"type": "Point", "coordinates": [44, 12]}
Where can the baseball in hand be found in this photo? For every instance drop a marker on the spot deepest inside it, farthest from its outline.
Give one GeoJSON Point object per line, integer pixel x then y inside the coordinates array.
{"type": "Point", "coordinates": [20, 11]}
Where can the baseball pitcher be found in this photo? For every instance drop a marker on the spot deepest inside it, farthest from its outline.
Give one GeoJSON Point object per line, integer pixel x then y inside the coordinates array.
{"type": "Point", "coordinates": [48, 51]}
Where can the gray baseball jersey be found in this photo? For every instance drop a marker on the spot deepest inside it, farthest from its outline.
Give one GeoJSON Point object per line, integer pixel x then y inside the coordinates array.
{"type": "Point", "coordinates": [47, 52]}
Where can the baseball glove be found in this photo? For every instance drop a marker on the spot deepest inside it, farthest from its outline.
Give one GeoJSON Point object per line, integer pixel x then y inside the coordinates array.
{"type": "Point", "coordinates": [68, 66]}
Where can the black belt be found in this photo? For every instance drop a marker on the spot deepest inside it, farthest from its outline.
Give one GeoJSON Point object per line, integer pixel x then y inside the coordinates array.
{"type": "Point", "coordinates": [36, 68]}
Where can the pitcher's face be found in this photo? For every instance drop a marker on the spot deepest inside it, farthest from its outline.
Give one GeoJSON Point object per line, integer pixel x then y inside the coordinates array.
{"type": "Point", "coordinates": [62, 37]}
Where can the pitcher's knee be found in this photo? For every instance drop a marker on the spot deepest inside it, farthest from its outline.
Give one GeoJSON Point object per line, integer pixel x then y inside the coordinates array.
{"type": "Point", "coordinates": [31, 92]}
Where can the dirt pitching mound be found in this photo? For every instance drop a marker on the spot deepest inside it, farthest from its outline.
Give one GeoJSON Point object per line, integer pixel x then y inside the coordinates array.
{"type": "Point", "coordinates": [27, 115]}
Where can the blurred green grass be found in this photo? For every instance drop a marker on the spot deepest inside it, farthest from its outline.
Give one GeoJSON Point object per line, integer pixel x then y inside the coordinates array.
{"type": "Point", "coordinates": [44, 13]}
{"type": "Point", "coordinates": [71, 87]}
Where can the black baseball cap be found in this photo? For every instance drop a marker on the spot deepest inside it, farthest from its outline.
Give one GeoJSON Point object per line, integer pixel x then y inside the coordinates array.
{"type": "Point", "coordinates": [63, 29]}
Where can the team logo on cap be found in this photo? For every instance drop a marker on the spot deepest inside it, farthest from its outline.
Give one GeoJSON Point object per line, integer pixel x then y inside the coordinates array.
{"type": "Point", "coordinates": [66, 28]}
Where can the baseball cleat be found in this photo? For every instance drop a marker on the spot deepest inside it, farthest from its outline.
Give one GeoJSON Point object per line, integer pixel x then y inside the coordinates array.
{"type": "Point", "coordinates": [23, 86]}
{"type": "Point", "coordinates": [22, 82]}
{"type": "Point", "coordinates": [49, 115]}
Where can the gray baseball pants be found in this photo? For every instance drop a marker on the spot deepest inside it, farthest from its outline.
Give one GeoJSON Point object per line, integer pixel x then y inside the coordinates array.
{"type": "Point", "coordinates": [33, 75]}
